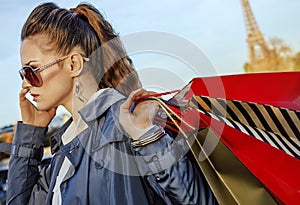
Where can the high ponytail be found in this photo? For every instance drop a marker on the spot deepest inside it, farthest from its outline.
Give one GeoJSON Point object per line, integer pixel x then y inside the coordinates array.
{"type": "Point", "coordinates": [84, 26]}
{"type": "Point", "coordinates": [118, 69]}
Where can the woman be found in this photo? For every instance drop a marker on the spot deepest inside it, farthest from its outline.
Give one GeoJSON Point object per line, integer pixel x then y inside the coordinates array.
{"type": "Point", "coordinates": [103, 154]}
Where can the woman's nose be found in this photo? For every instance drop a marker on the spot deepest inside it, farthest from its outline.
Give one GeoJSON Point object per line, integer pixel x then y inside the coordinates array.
{"type": "Point", "coordinates": [25, 84]}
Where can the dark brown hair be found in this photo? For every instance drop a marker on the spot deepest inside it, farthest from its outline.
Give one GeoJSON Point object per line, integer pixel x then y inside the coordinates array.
{"type": "Point", "coordinates": [84, 26]}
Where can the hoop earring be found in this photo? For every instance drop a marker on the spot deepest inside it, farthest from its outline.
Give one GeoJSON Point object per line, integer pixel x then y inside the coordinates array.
{"type": "Point", "coordinates": [77, 90]}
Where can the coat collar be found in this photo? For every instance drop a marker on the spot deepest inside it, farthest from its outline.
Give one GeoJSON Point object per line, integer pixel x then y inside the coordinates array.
{"type": "Point", "coordinates": [99, 103]}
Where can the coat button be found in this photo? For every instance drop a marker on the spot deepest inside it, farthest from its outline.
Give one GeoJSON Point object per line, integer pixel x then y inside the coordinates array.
{"type": "Point", "coordinates": [99, 165]}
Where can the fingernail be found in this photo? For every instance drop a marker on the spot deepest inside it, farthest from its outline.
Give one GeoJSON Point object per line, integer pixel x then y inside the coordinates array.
{"type": "Point", "coordinates": [132, 107]}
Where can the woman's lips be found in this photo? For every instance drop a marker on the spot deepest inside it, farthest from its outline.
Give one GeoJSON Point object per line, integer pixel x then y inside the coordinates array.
{"type": "Point", "coordinates": [34, 96]}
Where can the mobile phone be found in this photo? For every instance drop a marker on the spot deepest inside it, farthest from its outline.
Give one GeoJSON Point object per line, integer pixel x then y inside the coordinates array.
{"type": "Point", "coordinates": [29, 97]}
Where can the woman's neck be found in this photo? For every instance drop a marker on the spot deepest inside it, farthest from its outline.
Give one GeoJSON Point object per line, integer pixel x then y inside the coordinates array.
{"type": "Point", "coordinates": [87, 87]}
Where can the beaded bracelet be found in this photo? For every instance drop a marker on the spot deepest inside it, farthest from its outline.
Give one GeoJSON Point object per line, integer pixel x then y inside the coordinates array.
{"type": "Point", "coordinates": [149, 138]}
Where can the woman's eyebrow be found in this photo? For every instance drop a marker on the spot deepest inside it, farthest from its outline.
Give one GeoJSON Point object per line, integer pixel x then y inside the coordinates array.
{"type": "Point", "coordinates": [28, 63]}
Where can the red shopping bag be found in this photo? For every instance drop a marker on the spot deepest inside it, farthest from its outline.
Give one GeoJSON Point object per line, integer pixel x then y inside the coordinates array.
{"type": "Point", "coordinates": [256, 116]}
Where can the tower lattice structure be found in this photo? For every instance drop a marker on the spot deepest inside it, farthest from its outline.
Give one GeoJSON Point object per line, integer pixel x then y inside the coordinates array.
{"type": "Point", "coordinates": [261, 58]}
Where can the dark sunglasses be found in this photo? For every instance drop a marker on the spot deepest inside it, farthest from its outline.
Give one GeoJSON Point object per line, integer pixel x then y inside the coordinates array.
{"type": "Point", "coordinates": [32, 74]}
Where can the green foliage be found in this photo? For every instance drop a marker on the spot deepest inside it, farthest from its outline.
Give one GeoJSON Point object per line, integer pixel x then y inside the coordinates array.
{"type": "Point", "coordinates": [247, 67]}
{"type": "Point", "coordinates": [296, 60]}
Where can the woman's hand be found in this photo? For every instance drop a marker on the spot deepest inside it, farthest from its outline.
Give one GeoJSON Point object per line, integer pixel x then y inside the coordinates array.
{"type": "Point", "coordinates": [141, 119]}
{"type": "Point", "coordinates": [30, 115]}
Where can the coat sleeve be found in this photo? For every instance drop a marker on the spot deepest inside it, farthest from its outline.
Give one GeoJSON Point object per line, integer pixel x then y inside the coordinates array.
{"type": "Point", "coordinates": [25, 181]}
{"type": "Point", "coordinates": [171, 174]}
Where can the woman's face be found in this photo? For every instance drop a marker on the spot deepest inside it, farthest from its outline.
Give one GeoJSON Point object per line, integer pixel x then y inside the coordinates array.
{"type": "Point", "coordinates": [57, 87]}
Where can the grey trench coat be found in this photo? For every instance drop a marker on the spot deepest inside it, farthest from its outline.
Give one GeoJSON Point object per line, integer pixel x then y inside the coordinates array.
{"type": "Point", "coordinates": [105, 168]}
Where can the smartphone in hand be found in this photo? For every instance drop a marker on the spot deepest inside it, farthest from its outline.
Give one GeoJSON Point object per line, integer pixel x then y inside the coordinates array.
{"type": "Point", "coordinates": [29, 97]}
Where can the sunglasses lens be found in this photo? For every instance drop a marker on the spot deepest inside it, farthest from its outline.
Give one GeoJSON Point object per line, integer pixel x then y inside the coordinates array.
{"type": "Point", "coordinates": [30, 76]}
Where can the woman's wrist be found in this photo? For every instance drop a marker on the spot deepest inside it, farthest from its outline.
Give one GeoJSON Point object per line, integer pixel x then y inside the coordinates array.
{"type": "Point", "coordinates": [153, 134]}
{"type": "Point", "coordinates": [29, 134]}
{"type": "Point", "coordinates": [137, 131]}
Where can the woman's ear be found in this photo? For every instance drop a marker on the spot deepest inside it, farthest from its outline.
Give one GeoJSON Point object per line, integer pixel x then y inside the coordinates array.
{"type": "Point", "coordinates": [76, 64]}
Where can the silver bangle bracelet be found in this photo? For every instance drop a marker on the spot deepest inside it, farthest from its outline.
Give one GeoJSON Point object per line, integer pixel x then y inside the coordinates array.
{"type": "Point", "coordinates": [149, 138]}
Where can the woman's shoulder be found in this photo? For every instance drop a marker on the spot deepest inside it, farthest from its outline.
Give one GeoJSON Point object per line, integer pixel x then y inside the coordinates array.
{"type": "Point", "coordinates": [104, 101]}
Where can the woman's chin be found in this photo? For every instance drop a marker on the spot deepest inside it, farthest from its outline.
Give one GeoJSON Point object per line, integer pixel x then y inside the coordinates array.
{"type": "Point", "coordinates": [42, 107]}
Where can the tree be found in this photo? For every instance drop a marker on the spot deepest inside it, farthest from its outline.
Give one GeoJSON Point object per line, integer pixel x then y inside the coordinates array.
{"type": "Point", "coordinates": [283, 54]}
{"type": "Point", "coordinates": [296, 60]}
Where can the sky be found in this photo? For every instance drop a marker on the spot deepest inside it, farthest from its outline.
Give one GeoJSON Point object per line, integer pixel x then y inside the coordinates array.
{"type": "Point", "coordinates": [170, 41]}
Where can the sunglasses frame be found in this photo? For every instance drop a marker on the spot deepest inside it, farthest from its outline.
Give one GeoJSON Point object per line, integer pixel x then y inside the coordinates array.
{"type": "Point", "coordinates": [35, 78]}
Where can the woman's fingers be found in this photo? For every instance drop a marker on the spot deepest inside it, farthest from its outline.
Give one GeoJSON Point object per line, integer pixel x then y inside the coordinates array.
{"type": "Point", "coordinates": [22, 95]}
{"type": "Point", "coordinates": [30, 115]}
{"type": "Point", "coordinates": [129, 104]}
{"type": "Point", "coordinates": [126, 106]}
{"type": "Point", "coordinates": [139, 119]}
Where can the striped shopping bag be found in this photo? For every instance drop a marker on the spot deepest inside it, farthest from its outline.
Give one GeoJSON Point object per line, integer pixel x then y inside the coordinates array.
{"type": "Point", "coordinates": [243, 131]}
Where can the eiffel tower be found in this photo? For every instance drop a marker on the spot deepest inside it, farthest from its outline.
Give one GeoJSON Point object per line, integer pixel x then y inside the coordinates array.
{"type": "Point", "coordinates": [261, 57]}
